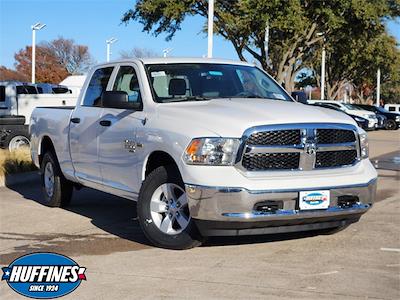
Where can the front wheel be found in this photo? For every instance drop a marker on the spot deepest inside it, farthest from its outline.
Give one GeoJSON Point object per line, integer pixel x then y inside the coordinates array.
{"type": "Point", "coordinates": [163, 211]}
{"type": "Point", "coordinates": [391, 125]}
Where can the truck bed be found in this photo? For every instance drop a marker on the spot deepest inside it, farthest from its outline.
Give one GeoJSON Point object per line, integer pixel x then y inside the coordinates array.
{"type": "Point", "coordinates": [52, 122]}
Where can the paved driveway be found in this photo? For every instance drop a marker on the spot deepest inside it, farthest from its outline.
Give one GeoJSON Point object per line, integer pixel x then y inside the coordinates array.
{"type": "Point", "coordinates": [100, 232]}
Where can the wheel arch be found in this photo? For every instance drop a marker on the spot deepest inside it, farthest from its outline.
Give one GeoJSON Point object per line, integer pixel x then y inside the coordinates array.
{"type": "Point", "coordinates": [46, 144]}
{"type": "Point", "coordinates": [157, 159]}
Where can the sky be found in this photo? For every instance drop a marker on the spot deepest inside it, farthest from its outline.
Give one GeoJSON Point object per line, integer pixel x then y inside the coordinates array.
{"type": "Point", "coordinates": [91, 22]}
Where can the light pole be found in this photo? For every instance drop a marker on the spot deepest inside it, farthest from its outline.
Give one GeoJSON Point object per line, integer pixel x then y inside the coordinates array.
{"type": "Point", "coordinates": [323, 74]}
{"type": "Point", "coordinates": [266, 42]}
{"type": "Point", "coordinates": [166, 51]}
{"type": "Point", "coordinates": [210, 28]}
{"type": "Point", "coordinates": [322, 66]}
{"type": "Point", "coordinates": [35, 27]}
{"type": "Point", "coordinates": [378, 88]}
{"type": "Point", "coordinates": [109, 42]}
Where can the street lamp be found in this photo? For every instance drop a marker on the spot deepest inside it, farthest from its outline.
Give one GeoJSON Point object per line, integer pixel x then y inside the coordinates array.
{"type": "Point", "coordinates": [166, 51]}
{"type": "Point", "coordinates": [322, 67]}
{"type": "Point", "coordinates": [378, 88]}
{"type": "Point", "coordinates": [35, 27]}
{"type": "Point", "coordinates": [210, 28]}
{"type": "Point", "coordinates": [266, 42]}
{"type": "Point", "coordinates": [109, 42]}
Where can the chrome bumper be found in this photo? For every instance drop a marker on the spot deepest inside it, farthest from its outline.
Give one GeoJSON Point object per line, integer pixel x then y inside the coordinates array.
{"type": "Point", "coordinates": [236, 205]}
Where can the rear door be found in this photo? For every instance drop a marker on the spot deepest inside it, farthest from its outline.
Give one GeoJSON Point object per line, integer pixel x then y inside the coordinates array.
{"type": "Point", "coordinates": [118, 145]}
{"type": "Point", "coordinates": [84, 128]}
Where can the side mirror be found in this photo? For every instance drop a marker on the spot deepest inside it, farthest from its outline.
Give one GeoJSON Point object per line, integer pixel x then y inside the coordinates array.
{"type": "Point", "coordinates": [118, 99]}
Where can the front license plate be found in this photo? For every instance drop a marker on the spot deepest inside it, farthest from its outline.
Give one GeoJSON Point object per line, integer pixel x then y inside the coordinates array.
{"type": "Point", "coordinates": [314, 200]}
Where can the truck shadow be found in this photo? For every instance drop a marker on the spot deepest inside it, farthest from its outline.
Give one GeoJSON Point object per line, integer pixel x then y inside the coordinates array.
{"type": "Point", "coordinates": [117, 216]}
{"type": "Point", "coordinates": [112, 214]}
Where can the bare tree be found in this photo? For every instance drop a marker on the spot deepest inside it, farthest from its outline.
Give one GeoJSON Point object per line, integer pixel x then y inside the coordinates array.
{"type": "Point", "coordinates": [76, 59]}
{"type": "Point", "coordinates": [139, 53]}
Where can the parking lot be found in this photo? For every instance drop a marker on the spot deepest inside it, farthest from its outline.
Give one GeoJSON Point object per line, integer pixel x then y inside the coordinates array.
{"type": "Point", "coordinates": [100, 232]}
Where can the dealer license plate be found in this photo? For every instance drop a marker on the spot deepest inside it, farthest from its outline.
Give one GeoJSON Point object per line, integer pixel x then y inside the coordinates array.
{"type": "Point", "coordinates": [314, 200]}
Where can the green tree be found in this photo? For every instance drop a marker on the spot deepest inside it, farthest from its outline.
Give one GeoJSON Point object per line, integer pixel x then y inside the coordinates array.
{"type": "Point", "coordinates": [295, 26]}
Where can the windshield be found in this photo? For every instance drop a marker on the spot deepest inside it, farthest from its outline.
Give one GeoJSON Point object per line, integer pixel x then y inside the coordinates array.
{"type": "Point", "coordinates": [381, 109]}
{"type": "Point", "coordinates": [351, 107]}
{"type": "Point", "coordinates": [201, 81]}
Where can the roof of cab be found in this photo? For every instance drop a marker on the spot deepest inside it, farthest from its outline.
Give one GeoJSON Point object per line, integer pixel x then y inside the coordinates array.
{"type": "Point", "coordinates": [176, 60]}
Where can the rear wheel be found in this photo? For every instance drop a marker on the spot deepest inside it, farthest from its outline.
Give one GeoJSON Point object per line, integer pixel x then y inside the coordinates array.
{"type": "Point", "coordinates": [391, 125]}
{"type": "Point", "coordinates": [164, 213]}
{"type": "Point", "coordinates": [18, 141]}
{"type": "Point", "coordinates": [56, 189]}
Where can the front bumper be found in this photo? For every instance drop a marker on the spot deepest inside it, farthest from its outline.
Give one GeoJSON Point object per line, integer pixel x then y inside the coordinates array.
{"type": "Point", "coordinates": [231, 211]}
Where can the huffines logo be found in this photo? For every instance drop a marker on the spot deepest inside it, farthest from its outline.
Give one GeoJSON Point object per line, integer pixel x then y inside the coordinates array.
{"type": "Point", "coordinates": [315, 198]}
{"type": "Point", "coordinates": [43, 275]}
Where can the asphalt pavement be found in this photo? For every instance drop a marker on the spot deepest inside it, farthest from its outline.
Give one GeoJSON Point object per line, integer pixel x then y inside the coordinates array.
{"type": "Point", "coordinates": [101, 233]}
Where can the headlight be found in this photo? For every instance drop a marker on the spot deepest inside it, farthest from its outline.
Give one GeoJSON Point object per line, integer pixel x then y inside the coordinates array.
{"type": "Point", "coordinates": [397, 118]}
{"type": "Point", "coordinates": [369, 116]}
{"type": "Point", "coordinates": [364, 145]}
{"type": "Point", "coordinates": [359, 119]}
{"type": "Point", "coordinates": [211, 151]}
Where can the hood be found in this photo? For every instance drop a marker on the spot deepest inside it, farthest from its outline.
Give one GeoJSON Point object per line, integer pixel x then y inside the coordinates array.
{"type": "Point", "coordinates": [231, 117]}
{"type": "Point", "coordinates": [362, 113]}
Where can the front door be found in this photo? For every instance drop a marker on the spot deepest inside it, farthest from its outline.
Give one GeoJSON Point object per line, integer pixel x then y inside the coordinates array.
{"type": "Point", "coordinates": [84, 128]}
{"type": "Point", "coordinates": [117, 139]}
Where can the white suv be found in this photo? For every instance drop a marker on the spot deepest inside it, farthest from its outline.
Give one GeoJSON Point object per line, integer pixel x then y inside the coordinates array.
{"type": "Point", "coordinates": [351, 110]}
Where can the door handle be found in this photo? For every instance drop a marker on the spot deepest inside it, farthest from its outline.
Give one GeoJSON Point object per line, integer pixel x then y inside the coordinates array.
{"type": "Point", "coordinates": [76, 120]}
{"type": "Point", "coordinates": [105, 123]}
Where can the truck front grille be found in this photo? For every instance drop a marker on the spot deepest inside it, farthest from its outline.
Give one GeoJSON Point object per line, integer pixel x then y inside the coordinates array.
{"type": "Point", "coordinates": [329, 159]}
{"type": "Point", "coordinates": [271, 161]}
{"type": "Point", "coordinates": [335, 136]}
{"type": "Point", "coordinates": [279, 137]}
{"type": "Point", "coordinates": [301, 147]}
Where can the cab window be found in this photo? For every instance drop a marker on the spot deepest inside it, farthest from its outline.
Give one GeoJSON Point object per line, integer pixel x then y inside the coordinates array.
{"type": "Point", "coordinates": [2, 93]}
{"type": "Point", "coordinates": [127, 81]}
{"type": "Point", "coordinates": [97, 85]}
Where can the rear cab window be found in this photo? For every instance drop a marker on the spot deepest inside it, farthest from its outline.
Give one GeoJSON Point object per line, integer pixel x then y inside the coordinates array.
{"type": "Point", "coordinates": [2, 94]}
{"type": "Point", "coordinates": [26, 89]}
{"type": "Point", "coordinates": [97, 85]}
{"type": "Point", "coordinates": [128, 81]}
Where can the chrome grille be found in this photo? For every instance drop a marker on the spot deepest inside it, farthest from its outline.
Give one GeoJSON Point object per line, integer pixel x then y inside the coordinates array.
{"type": "Point", "coordinates": [298, 147]}
{"type": "Point", "coordinates": [335, 136]}
{"type": "Point", "coordinates": [271, 161]}
{"type": "Point", "coordinates": [330, 159]}
{"type": "Point", "coordinates": [278, 137]}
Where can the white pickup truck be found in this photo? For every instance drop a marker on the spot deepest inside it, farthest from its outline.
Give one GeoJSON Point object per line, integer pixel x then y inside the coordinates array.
{"type": "Point", "coordinates": [206, 147]}
{"type": "Point", "coordinates": [17, 101]}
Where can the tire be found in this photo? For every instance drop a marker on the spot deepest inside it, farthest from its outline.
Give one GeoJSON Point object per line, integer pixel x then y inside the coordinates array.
{"type": "Point", "coordinates": [167, 224]}
{"type": "Point", "coordinates": [17, 140]}
{"type": "Point", "coordinates": [391, 125]}
{"type": "Point", "coordinates": [56, 189]}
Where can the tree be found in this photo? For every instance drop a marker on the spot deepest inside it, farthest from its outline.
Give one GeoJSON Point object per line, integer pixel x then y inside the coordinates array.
{"type": "Point", "coordinates": [8, 74]}
{"type": "Point", "coordinates": [48, 67]}
{"type": "Point", "coordinates": [138, 53]}
{"type": "Point", "coordinates": [355, 61]}
{"type": "Point", "coordinates": [76, 59]}
{"type": "Point", "coordinates": [55, 61]}
{"type": "Point", "coordinates": [295, 26]}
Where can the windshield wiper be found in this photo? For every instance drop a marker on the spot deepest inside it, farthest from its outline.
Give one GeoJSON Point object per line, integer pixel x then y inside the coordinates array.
{"type": "Point", "coordinates": [248, 96]}
{"type": "Point", "coordinates": [188, 98]}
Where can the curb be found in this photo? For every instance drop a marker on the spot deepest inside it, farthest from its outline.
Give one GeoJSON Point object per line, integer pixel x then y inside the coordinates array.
{"type": "Point", "coordinates": [14, 179]}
